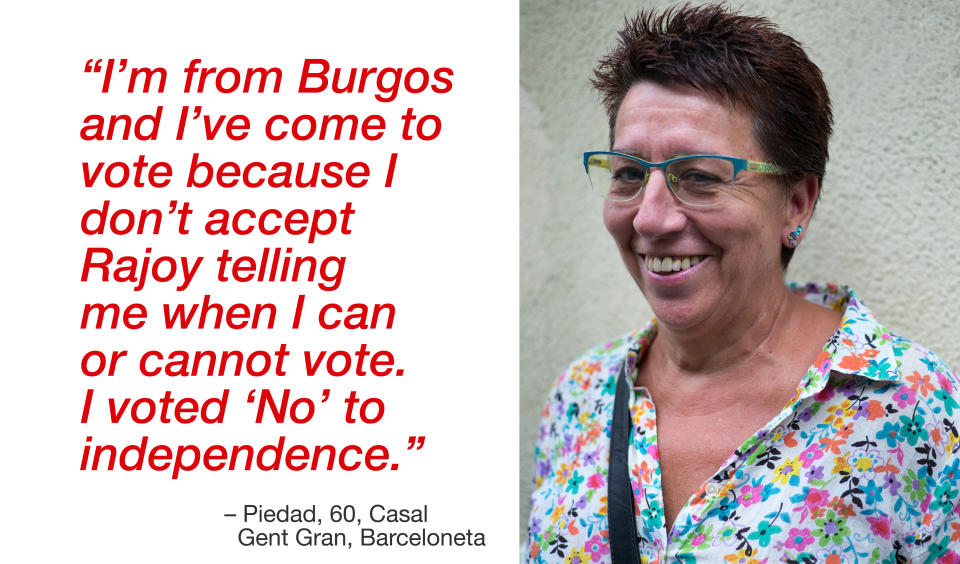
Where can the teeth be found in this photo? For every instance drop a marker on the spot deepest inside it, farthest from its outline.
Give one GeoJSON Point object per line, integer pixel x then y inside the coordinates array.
{"type": "Point", "coordinates": [671, 264]}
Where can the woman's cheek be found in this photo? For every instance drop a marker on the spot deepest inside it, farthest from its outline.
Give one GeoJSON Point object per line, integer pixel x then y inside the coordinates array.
{"type": "Point", "coordinates": [619, 223]}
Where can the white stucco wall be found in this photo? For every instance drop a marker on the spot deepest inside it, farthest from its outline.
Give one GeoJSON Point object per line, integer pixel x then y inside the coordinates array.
{"type": "Point", "coordinates": [887, 223]}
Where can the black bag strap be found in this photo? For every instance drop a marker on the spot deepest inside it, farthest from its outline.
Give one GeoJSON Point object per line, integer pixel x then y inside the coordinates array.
{"type": "Point", "coordinates": [622, 513]}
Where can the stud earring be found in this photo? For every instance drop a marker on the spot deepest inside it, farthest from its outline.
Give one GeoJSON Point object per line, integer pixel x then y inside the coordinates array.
{"type": "Point", "coordinates": [794, 236]}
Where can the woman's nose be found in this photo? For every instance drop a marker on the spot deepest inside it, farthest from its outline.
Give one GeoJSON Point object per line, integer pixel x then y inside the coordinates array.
{"type": "Point", "coordinates": [659, 212]}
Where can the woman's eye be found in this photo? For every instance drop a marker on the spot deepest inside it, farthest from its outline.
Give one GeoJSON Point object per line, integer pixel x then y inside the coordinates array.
{"type": "Point", "coordinates": [628, 174]}
{"type": "Point", "coordinates": [698, 177]}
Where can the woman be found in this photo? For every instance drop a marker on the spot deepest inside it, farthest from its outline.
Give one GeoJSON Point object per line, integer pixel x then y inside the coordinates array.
{"type": "Point", "coordinates": [757, 422]}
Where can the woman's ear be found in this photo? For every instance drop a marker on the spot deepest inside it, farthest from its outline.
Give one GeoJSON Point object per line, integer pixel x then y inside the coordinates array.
{"type": "Point", "coordinates": [800, 202]}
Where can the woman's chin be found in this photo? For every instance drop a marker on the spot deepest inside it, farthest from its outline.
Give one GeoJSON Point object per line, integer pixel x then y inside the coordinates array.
{"type": "Point", "coordinates": [676, 315]}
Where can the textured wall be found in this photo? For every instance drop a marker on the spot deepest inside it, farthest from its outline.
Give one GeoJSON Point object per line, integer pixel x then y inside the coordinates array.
{"type": "Point", "coordinates": [886, 224]}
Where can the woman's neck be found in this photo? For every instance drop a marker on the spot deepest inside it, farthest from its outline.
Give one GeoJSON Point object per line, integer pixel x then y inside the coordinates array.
{"type": "Point", "coordinates": [715, 348]}
{"type": "Point", "coordinates": [736, 366]}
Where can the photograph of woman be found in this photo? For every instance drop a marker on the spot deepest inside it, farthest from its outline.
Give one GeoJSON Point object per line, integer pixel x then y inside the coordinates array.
{"type": "Point", "coordinates": [757, 417]}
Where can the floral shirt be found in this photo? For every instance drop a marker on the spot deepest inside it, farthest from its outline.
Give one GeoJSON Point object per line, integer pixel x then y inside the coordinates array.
{"type": "Point", "coordinates": [861, 465]}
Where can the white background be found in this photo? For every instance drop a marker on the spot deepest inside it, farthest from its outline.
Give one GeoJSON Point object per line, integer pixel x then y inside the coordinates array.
{"type": "Point", "coordinates": [441, 245]}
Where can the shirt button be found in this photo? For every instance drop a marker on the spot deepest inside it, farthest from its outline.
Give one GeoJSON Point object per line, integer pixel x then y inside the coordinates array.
{"type": "Point", "coordinates": [712, 489]}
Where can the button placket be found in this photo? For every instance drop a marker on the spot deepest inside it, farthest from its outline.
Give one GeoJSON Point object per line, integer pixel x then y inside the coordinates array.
{"type": "Point", "coordinates": [648, 497]}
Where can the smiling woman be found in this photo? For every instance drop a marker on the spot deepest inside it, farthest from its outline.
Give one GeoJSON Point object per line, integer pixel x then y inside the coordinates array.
{"type": "Point", "coordinates": [733, 233]}
{"type": "Point", "coordinates": [749, 419]}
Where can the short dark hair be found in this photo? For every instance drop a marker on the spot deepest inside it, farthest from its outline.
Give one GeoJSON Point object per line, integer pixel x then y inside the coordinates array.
{"type": "Point", "coordinates": [744, 60]}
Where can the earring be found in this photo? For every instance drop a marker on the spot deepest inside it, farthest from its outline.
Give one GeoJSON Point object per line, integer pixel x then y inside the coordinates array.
{"type": "Point", "coordinates": [794, 236]}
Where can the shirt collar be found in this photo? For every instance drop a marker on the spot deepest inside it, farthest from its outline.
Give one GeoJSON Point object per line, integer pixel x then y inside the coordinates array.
{"type": "Point", "coordinates": [861, 346]}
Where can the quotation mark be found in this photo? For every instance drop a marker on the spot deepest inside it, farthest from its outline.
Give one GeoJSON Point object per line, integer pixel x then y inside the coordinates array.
{"type": "Point", "coordinates": [94, 66]}
{"type": "Point", "coordinates": [415, 443]}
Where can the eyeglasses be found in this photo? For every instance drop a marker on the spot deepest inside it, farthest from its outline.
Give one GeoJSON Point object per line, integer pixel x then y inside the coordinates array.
{"type": "Point", "coordinates": [696, 180]}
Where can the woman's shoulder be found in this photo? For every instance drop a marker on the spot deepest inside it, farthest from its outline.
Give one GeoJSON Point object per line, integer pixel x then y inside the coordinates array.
{"type": "Point", "coordinates": [921, 370]}
{"type": "Point", "coordinates": [594, 372]}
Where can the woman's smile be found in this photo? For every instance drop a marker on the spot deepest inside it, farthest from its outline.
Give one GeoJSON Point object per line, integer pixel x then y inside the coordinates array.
{"type": "Point", "coordinates": [669, 265]}
{"type": "Point", "coordinates": [672, 269]}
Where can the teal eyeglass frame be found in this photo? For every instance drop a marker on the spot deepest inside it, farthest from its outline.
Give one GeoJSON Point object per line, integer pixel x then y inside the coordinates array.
{"type": "Point", "coordinates": [739, 165]}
